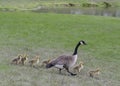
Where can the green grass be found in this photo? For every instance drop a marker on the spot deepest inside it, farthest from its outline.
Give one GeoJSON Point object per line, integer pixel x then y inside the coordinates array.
{"type": "Point", "coordinates": [50, 35]}
{"type": "Point", "coordinates": [12, 5]}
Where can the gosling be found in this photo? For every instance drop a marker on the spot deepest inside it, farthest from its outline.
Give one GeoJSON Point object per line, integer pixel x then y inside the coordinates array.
{"type": "Point", "coordinates": [34, 61]}
{"type": "Point", "coordinates": [93, 73]}
{"type": "Point", "coordinates": [45, 62]}
{"type": "Point", "coordinates": [17, 60]}
{"type": "Point", "coordinates": [79, 67]}
{"type": "Point", "coordinates": [24, 59]}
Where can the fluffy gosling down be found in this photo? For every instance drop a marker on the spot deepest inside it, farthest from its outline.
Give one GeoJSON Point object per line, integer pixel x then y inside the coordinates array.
{"type": "Point", "coordinates": [79, 67]}
{"type": "Point", "coordinates": [45, 62]}
{"type": "Point", "coordinates": [24, 59]}
{"type": "Point", "coordinates": [34, 61]}
{"type": "Point", "coordinates": [17, 60]}
{"type": "Point", "coordinates": [65, 61]}
{"type": "Point", "coordinates": [93, 73]}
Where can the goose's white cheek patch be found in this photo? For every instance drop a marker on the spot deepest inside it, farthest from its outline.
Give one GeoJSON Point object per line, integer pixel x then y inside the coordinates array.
{"type": "Point", "coordinates": [81, 43]}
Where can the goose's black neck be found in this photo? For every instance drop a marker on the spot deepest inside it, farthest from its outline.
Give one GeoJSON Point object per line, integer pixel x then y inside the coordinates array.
{"type": "Point", "coordinates": [76, 49]}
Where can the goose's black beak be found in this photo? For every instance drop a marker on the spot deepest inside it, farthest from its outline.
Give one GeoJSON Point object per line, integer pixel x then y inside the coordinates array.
{"type": "Point", "coordinates": [84, 43]}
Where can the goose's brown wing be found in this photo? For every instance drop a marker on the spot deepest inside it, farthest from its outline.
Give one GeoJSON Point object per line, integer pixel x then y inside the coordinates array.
{"type": "Point", "coordinates": [61, 60]}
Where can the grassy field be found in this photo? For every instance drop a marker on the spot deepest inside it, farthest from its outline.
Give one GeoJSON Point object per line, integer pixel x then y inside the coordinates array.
{"type": "Point", "coordinates": [50, 35]}
{"type": "Point", "coordinates": [30, 4]}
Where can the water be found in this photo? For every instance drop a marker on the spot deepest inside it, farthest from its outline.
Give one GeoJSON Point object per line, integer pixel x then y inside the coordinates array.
{"type": "Point", "coordinates": [114, 12]}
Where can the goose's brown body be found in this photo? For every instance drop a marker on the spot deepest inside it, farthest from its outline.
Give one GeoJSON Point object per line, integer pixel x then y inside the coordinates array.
{"type": "Point", "coordinates": [64, 60]}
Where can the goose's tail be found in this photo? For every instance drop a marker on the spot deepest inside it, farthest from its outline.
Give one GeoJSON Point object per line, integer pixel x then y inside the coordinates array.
{"type": "Point", "coordinates": [49, 65]}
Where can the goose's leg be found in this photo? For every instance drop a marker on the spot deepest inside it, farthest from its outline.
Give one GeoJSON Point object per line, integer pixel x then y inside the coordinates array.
{"type": "Point", "coordinates": [69, 71]}
{"type": "Point", "coordinates": [60, 71]}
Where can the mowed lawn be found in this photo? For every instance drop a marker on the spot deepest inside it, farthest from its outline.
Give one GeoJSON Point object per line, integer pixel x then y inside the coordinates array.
{"type": "Point", "coordinates": [12, 5]}
{"type": "Point", "coordinates": [51, 35]}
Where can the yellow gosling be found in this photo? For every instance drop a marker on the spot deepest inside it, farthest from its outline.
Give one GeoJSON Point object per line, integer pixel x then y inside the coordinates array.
{"type": "Point", "coordinates": [79, 67]}
{"type": "Point", "coordinates": [34, 61]}
{"type": "Point", "coordinates": [17, 60]}
{"type": "Point", "coordinates": [93, 73]}
{"type": "Point", "coordinates": [45, 62]}
{"type": "Point", "coordinates": [24, 59]}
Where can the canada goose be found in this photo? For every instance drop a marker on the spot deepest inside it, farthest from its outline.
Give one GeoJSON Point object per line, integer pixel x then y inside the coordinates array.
{"type": "Point", "coordinates": [34, 61]}
{"type": "Point", "coordinates": [65, 61]}
{"type": "Point", "coordinates": [94, 72]}
{"type": "Point", "coordinates": [17, 60]}
{"type": "Point", "coordinates": [79, 67]}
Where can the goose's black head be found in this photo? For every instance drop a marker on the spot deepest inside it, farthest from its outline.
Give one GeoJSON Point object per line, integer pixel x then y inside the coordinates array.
{"type": "Point", "coordinates": [82, 42]}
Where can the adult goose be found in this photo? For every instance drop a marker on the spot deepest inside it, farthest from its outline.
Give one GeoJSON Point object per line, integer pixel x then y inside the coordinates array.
{"type": "Point", "coordinates": [65, 61]}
